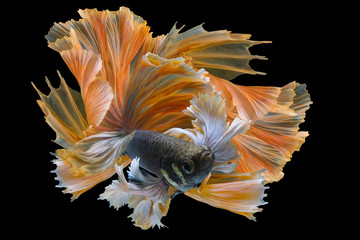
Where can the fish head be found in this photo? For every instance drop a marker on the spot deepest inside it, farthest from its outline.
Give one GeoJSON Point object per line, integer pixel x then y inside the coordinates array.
{"type": "Point", "coordinates": [188, 170]}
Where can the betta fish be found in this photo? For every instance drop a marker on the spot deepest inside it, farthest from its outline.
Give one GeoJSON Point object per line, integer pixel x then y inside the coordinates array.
{"type": "Point", "coordinates": [165, 109]}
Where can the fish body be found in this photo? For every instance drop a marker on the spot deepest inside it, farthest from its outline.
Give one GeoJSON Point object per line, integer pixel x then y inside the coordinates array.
{"type": "Point", "coordinates": [183, 164]}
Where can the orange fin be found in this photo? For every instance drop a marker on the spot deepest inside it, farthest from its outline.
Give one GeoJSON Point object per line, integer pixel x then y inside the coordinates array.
{"type": "Point", "coordinates": [93, 47]}
{"type": "Point", "coordinates": [250, 103]}
{"type": "Point", "coordinates": [159, 91]}
{"type": "Point", "coordinates": [272, 139]}
{"type": "Point", "coordinates": [241, 193]}
{"type": "Point", "coordinates": [97, 94]}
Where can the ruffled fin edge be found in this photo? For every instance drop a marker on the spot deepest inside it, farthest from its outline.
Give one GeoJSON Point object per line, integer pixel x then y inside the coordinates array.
{"type": "Point", "coordinates": [147, 195]}
{"type": "Point", "coordinates": [240, 193]}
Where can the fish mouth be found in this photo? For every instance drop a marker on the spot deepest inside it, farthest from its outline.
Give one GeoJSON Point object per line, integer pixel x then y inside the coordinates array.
{"type": "Point", "coordinates": [180, 187]}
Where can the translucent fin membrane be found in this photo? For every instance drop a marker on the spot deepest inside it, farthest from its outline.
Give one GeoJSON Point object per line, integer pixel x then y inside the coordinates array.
{"type": "Point", "coordinates": [64, 112]}
{"type": "Point", "coordinates": [221, 53]}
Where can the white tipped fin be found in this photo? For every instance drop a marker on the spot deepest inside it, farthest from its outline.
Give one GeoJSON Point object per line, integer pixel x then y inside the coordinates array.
{"type": "Point", "coordinates": [147, 195]}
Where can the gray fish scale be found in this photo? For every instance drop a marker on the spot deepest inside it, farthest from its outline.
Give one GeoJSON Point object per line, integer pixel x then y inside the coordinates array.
{"type": "Point", "coordinates": [153, 147]}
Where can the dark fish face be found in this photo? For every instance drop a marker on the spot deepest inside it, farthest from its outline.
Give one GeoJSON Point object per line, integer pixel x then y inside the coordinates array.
{"type": "Point", "coordinates": [188, 170]}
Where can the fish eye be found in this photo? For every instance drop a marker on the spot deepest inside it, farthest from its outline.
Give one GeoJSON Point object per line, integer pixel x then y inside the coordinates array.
{"type": "Point", "coordinates": [188, 166]}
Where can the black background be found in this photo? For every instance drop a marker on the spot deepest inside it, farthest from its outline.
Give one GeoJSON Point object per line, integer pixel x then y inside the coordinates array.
{"type": "Point", "coordinates": [297, 205]}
